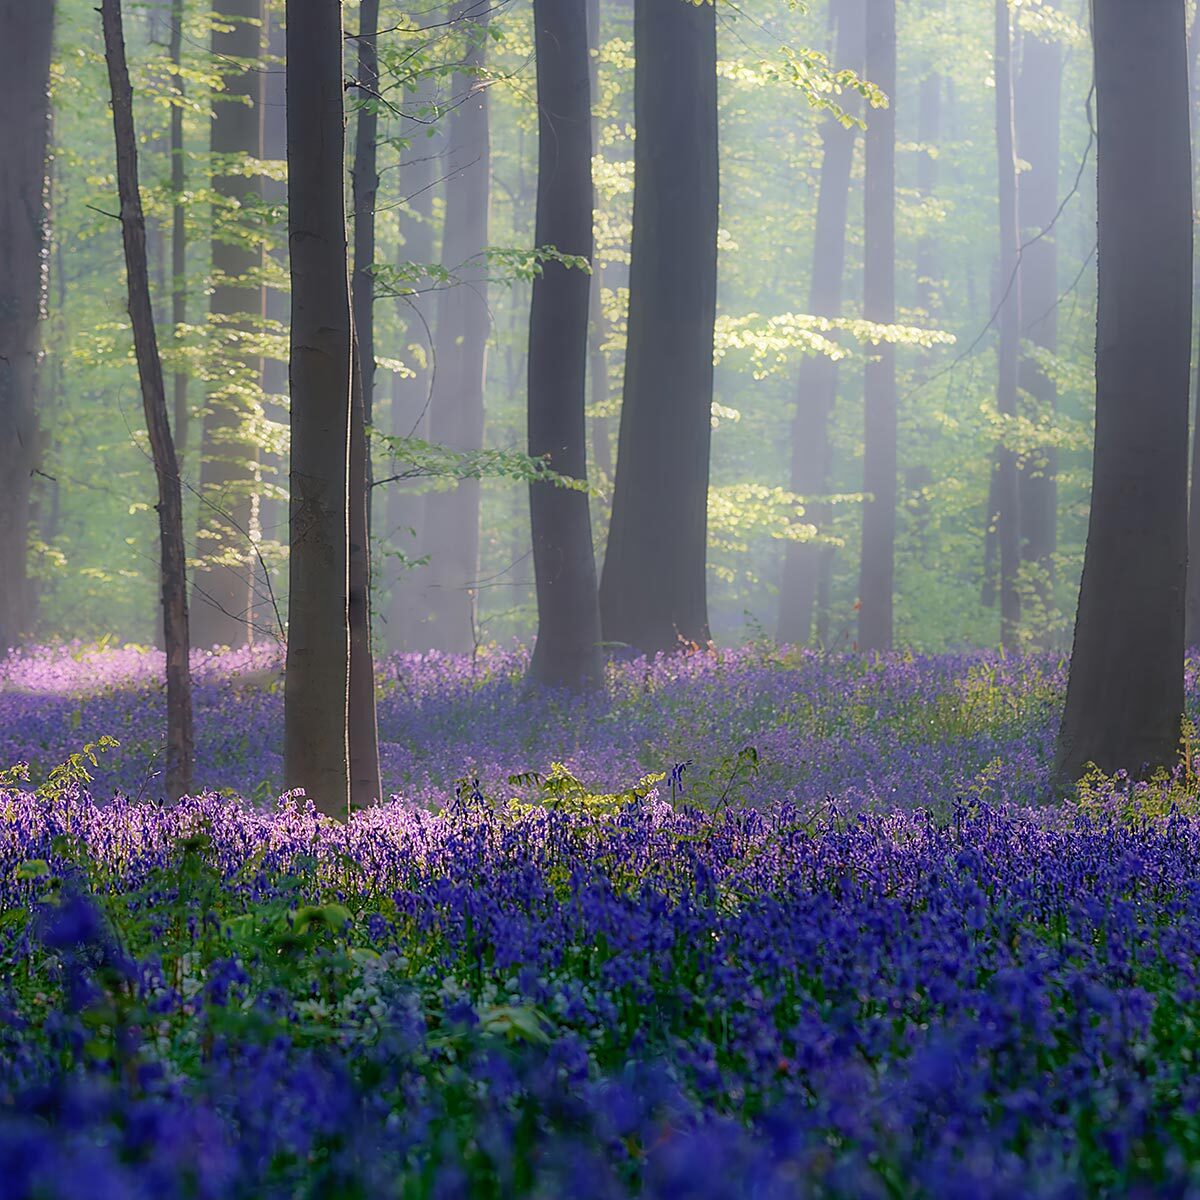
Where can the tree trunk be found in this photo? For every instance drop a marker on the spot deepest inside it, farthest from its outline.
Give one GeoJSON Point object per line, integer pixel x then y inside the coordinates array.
{"type": "Point", "coordinates": [653, 588]}
{"type": "Point", "coordinates": [178, 227]}
{"type": "Point", "coordinates": [410, 396]}
{"type": "Point", "coordinates": [1037, 114]}
{"type": "Point", "coordinates": [173, 573]}
{"type": "Point", "coordinates": [223, 587]}
{"type": "Point", "coordinates": [817, 379]}
{"type": "Point", "coordinates": [316, 755]}
{"type": "Point", "coordinates": [1006, 514]}
{"type": "Point", "coordinates": [1125, 694]}
{"type": "Point", "coordinates": [460, 359]}
{"type": "Point", "coordinates": [1192, 599]}
{"type": "Point", "coordinates": [567, 650]}
{"type": "Point", "coordinates": [879, 304]}
{"type": "Point", "coordinates": [365, 788]}
{"type": "Point", "coordinates": [24, 224]}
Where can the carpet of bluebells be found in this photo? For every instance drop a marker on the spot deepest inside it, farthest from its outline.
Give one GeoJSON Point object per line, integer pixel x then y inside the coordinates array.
{"type": "Point", "coordinates": [749, 924]}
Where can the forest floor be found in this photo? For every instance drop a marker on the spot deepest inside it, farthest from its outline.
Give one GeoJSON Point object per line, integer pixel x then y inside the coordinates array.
{"type": "Point", "coordinates": [746, 924]}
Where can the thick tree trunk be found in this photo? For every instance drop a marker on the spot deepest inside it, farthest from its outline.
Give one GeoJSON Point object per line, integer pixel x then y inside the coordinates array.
{"type": "Point", "coordinates": [817, 379]}
{"type": "Point", "coordinates": [567, 650]}
{"type": "Point", "coordinates": [179, 382]}
{"type": "Point", "coordinates": [363, 726]}
{"type": "Point", "coordinates": [1125, 695]}
{"type": "Point", "coordinates": [223, 588]}
{"type": "Point", "coordinates": [1006, 515]}
{"type": "Point", "coordinates": [173, 573]}
{"type": "Point", "coordinates": [410, 395]}
{"type": "Point", "coordinates": [460, 359]}
{"type": "Point", "coordinates": [653, 588]}
{"type": "Point", "coordinates": [1038, 109]}
{"type": "Point", "coordinates": [879, 304]}
{"type": "Point", "coordinates": [24, 222]}
{"type": "Point", "coordinates": [316, 755]}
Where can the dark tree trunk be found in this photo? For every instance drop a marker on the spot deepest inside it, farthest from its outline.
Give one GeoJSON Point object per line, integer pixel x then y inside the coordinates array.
{"type": "Point", "coordinates": [879, 304]}
{"type": "Point", "coordinates": [363, 726]}
{"type": "Point", "coordinates": [460, 352]}
{"type": "Point", "coordinates": [817, 379]}
{"type": "Point", "coordinates": [929, 131]}
{"type": "Point", "coordinates": [1038, 107]}
{"type": "Point", "coordinates": [179, 381]}
{"type": "Point", "coordinates": [1125, 695]}
{"type": "Point", "coordinates": [1005, 516]}
{"type": "Point", "coordinates": [1192, 601]}
{"type": "Point", "coordinates": [567, 651]}
{"type": "Point", "coordinates": [316, 755]}
{"type": "Point", "coordinates": [365, 182]}
{"type": "Point", "coordinates": [653, 589]}
{"type": "Point", "coordinates": [363, 743]}
{"type": "Point", "coordinates": [410, 395]}
{"type": "Point", "coordinates": [24, 223]}
{"type": "Point", "coordinates": [173, 573]}
{"type": "Point", "coordinates": [222, 589]}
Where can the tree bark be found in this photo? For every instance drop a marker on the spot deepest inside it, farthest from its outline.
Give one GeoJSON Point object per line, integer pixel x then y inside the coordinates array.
{"type": "Point", "coordinates": [316, 755]}
{"type": "Point", "coordinates": [1006, 514]}
{"type": "Point", "coordinates": [365, 183]}
{"type": "Point", "coordinates": [653, 588]}
{"type": "Point", "coordinates": [1192, 598]}
{"type": "Point", "coordinates": [1125, 694]}
{"type": "Point", "coordinates": [879, 305]}
{"type": "Point", "coordinates": [817, 378]}
{"type": "Point", "coordinates": [178, 227]}
{"type": "Point", "coordinates": [173, 572]}
{"type": "Point", "coordinates": [451, 517]}
{"type": "Point", "coordinates": [24, 225]}
{"type": "Point", "coordinates": [222, 603]}
{"type": "Point", "coordinates": [1037, 114]}
{"type": "Point", "coordinates": [363, 724]}
{"type": "Point", "coordinates": [567, 650]}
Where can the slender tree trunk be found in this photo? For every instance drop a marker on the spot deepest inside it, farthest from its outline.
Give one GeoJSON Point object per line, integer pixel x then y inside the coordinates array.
{"type": "Point", "coordinates": [178, 227]}
{"type": "Point", "coordinates": [316, 755]}
{"type": "Point", "coordinates": [1192, 602]}
{"type": "Point", "coordinates": [365, 182]}
{"type": "Point", "coordinates": [1037, 113]}
{"type": "Point", "coordinates": [817, 379]}
{"type": "Point", "coordinates": [410, 395]}
{"type": "Point", "coordinates": [460, 360]}
{"type": "Point", "coordinates": [365, 788]}
{"type": "Point", "coordinates": [223, 588]}
{"type": "Point", "coordinates": [567, 651]}
{"type": "Point", "coordinates": [1125, 694]}
{"type": "Point", "coordinates": [929, 131]}
{"type": "Point", "coordinates": [1006, 514]}
{"type": "Point", "coordinates": [173, 573]}
{"type": "Point", "coordinates": [879, 304]}
{"type": "Point", "coordinates": [653, 588]}
{"type": "Point", "coordinates": [24, 225]}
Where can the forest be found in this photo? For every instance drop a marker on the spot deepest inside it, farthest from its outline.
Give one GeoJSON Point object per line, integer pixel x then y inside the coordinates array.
{"type": "Point", "coordinates": [599, 598]}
